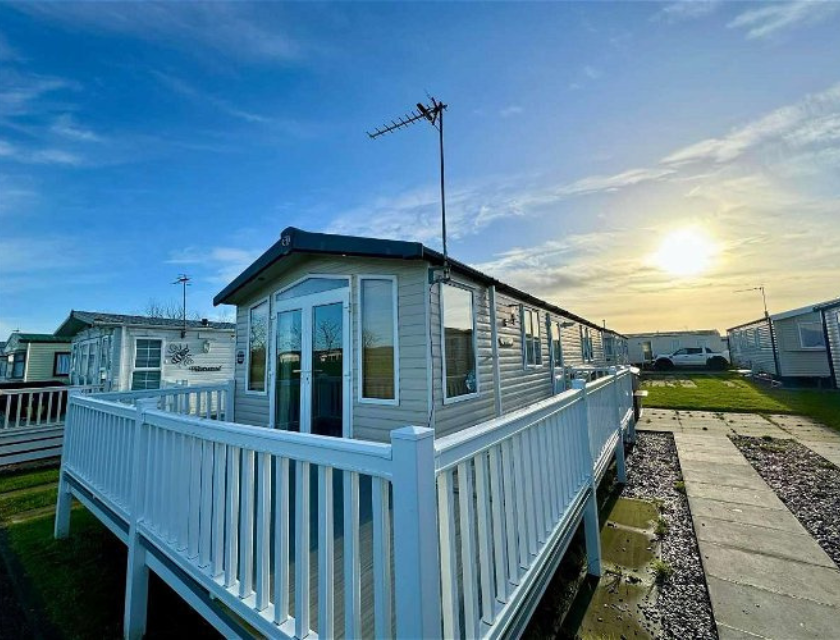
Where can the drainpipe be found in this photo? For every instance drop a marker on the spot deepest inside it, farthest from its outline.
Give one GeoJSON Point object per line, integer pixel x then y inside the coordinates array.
{"type": "Point", "coordinates": [832, 371]}
{"type": "Point", "coordinates": [773, 345]}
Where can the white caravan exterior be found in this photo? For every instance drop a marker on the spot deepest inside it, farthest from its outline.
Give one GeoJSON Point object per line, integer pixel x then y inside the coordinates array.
{"type": "Point", "coordinates": [644, 347]}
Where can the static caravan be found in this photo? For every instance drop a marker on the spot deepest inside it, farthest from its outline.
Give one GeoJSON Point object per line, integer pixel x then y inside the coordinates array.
{"type": "Point", "coordinates": [616, 348]}
{"type": "Point", "coordinates": [801, 344]}
{"type": "Point", "coordinates": [644, 347]}
{"type": "Point", "coordinates": [127, 352]}
{"type": "Point", "coordinates": [752, 346]}
{"type": "Point", "coordinates": [830, 315]}
{"type": "Point", "coordinates": [350, 336]}
{"type": "Point", "coordinates": [36, 357]}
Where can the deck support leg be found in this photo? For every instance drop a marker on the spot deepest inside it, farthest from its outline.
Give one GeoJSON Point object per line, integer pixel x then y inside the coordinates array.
{"type": "Point", "coordinates": [62, 510]}
{"type": "Point", "coordinates": [592, 529]}
{"type": "Point", "coordinates": [136, 591]}
{"type": "Point", "coordinates": [620, 462]}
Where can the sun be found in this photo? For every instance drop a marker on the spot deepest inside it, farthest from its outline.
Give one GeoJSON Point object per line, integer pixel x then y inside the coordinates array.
{"type": "Point", "coordinates": [686, 252]}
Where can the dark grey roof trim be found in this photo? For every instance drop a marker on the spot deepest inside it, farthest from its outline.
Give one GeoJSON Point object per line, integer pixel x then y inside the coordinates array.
{"type": "Point", "coordinates": [831, 304]}
{"type": "Point", "coordinates": [747, 324]}
{"type": "Point", "coordinates": [92, 318]}
{"type": "Point", "coordinates": [293, 240]}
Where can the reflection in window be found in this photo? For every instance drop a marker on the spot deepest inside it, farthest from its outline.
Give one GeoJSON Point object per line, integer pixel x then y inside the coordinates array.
{"type": "Point", "coordinates": [147, 364]}
{"type": "Point", "coordinates": [62, 364]}
{"type": "Point", "coordinates": [556, 346]}
{"type": "Point", "coordinates": [328, 369]}
{"type": "Point", "coordinates": [459, 341]}
{"type": "Point", "coordinates": [18, 364]}
{"type": "Point", "coordinates": [288, 370]}
{"type": "Point", "coordinates": [811, 335]}
{"type": "Point", "coordinates": [257, 342]}
{"type": "Point", "coordinates": [378, 354]}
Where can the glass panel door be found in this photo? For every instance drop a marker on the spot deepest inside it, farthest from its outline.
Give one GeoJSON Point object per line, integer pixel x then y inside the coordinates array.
{"type": "Point", "coordinates": [288, 369]}
{"type": "Point", "coordinates": [327, 381]}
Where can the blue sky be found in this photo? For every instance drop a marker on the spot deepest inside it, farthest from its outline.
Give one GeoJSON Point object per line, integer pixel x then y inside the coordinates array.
{"type": "Point", "coordinates": [137, 142]}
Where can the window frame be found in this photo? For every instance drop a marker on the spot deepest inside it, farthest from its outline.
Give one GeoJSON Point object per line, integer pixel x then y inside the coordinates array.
{"type": "Point", "coordinates": [467, 396]}
{"type": "Point", "coordinates": [395, 401]}
{"type": "Point", "coordinates": [535, 340]}
{"type": "Point", "coordinates": [15, 355]}
{"type": "Point", "coordinates": [134, 366]}
{"type": "Point", "coordinates": [817, 323]}
{"type": "Point", "coordinates": [56, 355]}
{"type": "Point", "coordinates": [553, 355]}
{"type": "Point", "coordinates": [268, 341]}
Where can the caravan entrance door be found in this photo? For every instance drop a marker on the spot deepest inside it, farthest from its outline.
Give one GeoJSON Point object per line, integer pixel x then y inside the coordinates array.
{"type": "Point", "coordinates": [312, 364]}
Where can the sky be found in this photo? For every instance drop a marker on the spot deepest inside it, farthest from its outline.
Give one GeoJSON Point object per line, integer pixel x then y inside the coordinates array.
{"type": "Point", "coordinates": [637, 163]}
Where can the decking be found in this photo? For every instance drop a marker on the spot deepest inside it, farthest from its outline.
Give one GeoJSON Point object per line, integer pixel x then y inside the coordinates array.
{"type": "Point", "coordinates": [290, 535]}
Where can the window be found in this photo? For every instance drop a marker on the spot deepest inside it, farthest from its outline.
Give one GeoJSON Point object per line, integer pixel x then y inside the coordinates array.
{"type": "Point", "coordinates": [378, 340]}
{"type": "Point", "coordinates": [459, 361]}
{"type": "Point", "coordinates": [61, 366]}
{"type": "Point", "coordinates": [586, 344]}
{"type": "Point", "coordinates": [18, 363]}
{"type": "Point", "coordinates": [556, 345]}
{"type": "Point", "coordinates": [147, 364]}
{"type": "Point", "coordinates": [531, 344]}
{"type": "Point", "coordinates": [257, 346]}
{"type": "Point", "coordinates": [811, 335]}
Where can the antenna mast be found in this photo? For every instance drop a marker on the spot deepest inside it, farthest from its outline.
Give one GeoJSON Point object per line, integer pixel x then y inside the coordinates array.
{"type": "Point", "coordinates": [433, 113]}
{"type": "Point", "coordinates": [184, 280]}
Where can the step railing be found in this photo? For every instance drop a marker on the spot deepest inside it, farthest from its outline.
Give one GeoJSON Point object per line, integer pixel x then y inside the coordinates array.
{"type": "Point", "coordinates": [299, 534]}
{"type": "Point", "coordinates": [37, 406]}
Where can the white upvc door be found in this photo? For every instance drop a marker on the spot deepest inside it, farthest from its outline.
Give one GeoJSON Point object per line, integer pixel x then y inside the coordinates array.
{"type": "Point", "coordinates": [310, 373]}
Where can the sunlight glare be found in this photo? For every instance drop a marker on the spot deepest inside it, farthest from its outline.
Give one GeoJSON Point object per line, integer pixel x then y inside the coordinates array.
{"type": "Point", "coordinates": [686, 252]}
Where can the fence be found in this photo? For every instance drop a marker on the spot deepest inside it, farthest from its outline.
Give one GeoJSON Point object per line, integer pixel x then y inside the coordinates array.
{"type": "Point", "coordinates": [32, 422]}
{"type": "Point", "coordinates": [297, 533]}
{"type": "Point", "coordinates": [214, 402]}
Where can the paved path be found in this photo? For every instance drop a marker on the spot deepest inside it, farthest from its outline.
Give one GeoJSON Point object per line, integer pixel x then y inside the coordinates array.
{"type": "Point", "coordinates": [767, 577]}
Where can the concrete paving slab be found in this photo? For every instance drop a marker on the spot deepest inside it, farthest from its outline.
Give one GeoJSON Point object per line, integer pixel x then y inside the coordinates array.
{"type": "Point", "coordinates": [769, 614]}
{"type": "Point", "coordinates": [728, 475]}
{"type": "Point", "coordinates": [745, 514]}
{"type": "Point", "coordinates": [734, 494]}
{"type": "Point", "coordinates": [710, 456]}
{"type": "Point", "coordinates": [779, 575]}
{"type": "Point", "coordinates": [799, 547]}
{"type": "Point", "coordinates": [728, 633]}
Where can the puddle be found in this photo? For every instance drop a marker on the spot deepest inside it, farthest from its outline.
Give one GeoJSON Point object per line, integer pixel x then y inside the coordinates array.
{"type": "Point", "coordinates": [612, 606]}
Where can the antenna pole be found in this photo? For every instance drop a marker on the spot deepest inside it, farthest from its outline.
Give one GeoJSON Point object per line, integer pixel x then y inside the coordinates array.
{"type": "Point", "coordinates": [443, 198]}
{"type": "Point", "coordinates": [184, 280]}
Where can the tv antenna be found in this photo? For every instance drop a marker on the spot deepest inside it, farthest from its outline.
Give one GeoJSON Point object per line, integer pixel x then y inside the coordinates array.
{"type": "Point", "coordinates": [184, 280]}
{"type": "Point", "coordinates": [433, 113]}
{"type": "Point", "coordinates": [763, 296]}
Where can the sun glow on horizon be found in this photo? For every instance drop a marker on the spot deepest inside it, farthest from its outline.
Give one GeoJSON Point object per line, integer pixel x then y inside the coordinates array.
{"type": "Point", "coordinates": [689, 251]}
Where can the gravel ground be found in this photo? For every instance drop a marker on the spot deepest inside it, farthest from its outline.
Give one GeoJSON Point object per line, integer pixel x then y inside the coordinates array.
{"type": "Point", "coordinates": [682, 609]}
{"type": "Point", "coordinates": [807, 483]}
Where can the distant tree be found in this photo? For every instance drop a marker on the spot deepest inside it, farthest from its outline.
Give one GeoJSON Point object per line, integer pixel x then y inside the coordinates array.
{"type": "Point", "coordinates": [170, 310]}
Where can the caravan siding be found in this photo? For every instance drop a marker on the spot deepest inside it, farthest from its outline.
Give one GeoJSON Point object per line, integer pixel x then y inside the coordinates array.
{"type": "Point", "coordinates": [794, 359]}
{"type": "Point", "coordinates": [832, 325]}
{"type": "Point", "coordinates": [40, 361]}
{"type": "Point", "coordinates": [751, 347]}
{"type": "Point", "coordinates": [370, 421]}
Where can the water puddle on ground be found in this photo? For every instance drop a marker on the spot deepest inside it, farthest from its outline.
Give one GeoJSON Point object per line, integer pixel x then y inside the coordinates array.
{"type": "Point", "coordinates": [612, 606]}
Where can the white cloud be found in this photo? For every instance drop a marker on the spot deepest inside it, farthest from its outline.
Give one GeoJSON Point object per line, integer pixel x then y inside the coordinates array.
{"type": "Point", "coordinates": [774, 18]}
{"type": "Point", "coordinates": [234, 29]}
{"type": "Point", "coordinates": [15, 153]}
{"type": "Point", "coordinates": [512, 110]}
{"type": "Point", "coordinates": [67, 127]}
{"type": "Point", "coordinates": [220, 264]}
{"type": "Point", "coordinates": [592, 73]}
{"type": "Point", "coordinates": [686, 10]}
{"type": "Point", "coordinates": [21, 94]}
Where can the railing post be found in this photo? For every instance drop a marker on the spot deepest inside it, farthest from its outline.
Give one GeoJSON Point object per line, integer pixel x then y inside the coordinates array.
{"type": "Point", "coordinates": [65, 498]}
{"type": "Point", "coordinates": [416, 552]}
{"type": "Point", "coordinates": [137, 573]}
{"type": "Point", "coordinates": [591, 525]}
{"type": "Point", "coordinates": [620, 463]}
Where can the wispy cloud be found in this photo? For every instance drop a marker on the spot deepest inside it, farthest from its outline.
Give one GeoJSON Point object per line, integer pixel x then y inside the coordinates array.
{"type": "Point", "coordinates": [7, 52]}
{"type": "Point", "coordinates": [14, 153]}
{"type": "Point", "coordinates": [235, 29]}
{"type": "Point", "coordinates": [220, 264]}
{"type": "Point", "coordinates": [512, 110]}
{"type": "Point", "coordinates": [66, 126]}
{"type": "Point", "coordinates": [774, 18]}
{"type": "Point", "coordinates": [593, 73]}
{"type": "Point", "coordinates": [685, 11]}
{"type": "Point", "coordinates": [22, 94]}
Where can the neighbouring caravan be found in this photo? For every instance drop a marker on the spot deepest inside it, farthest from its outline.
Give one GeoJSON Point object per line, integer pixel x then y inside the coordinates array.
{"type": "Point", "coordinates": [127, 352]}
{"type": "Point", "coordinates": [350, 336]}
{"type": "Point", "coordinates": [830, 316]}
{"type": "Point", "coordinates": [791, 345]}
{"type": "Point", "coordinates": [644, 347]}
{"type": "Point", "coordinates": [36, 357]}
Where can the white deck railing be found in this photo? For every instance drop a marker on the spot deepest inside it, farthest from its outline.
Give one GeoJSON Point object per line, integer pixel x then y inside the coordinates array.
{"type": "Point", "coordinates": [211, 401]}
{"type": "Point", "coordinates": [293, 533]}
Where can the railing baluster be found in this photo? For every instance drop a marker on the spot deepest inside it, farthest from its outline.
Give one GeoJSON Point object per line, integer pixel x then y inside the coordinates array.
{"type": "Point", "coordinates": [497, 508]}
{"type": "Point", "coordinates": [468, 559]}
{"type": "Point", "coordinates": [302, 543]}
{"type": "Point", "coordinates": [448, 559]}
{"type": "Point", "coordinates": [352, 569]}
{"type": "Point", "coordinates": [246, 526]}
{"type": "Point", "coordinates": [281, 540]}
{"type": "Point", "coordinates": [383, 594]}
{"type": "Point", "coordinates": [206, 514]}
{"type": "Point", "coordinates": [232, 517]}
{"type": "Point", "coordinates": [263, 549]}
{"type": "Point", "coordinates": [521, 504]}
{"type": "Point", "coordinates": [193, 528]}
{"type": "Point", "coordinates": [515, 541]}
{"type": "Point", "coordinates": [485, 565]}
{"type": "Point", "coordinates": [219, 502]}
{"type": "Point", "coordinates": [326, 536]}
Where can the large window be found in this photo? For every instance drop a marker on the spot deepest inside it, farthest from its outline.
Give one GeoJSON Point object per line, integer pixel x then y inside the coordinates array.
{"type": "Point", "coordinates": [531, 343]}
{"type": "Point", "coordinates": [378, 342]}
{"type": "Point", "coordinates": [459, 362]}
{"type": "Point", "coordinates": [147, 364]}
{"type": "Point", "coordinates": [811, 335]}
{"type": "Point", "coordinates": [61, 366]}
{"type": "Point", "coordinates": [556, 345]}
{"type": "Point", "coordinates": [257, 346]}
{"type": "Point", "coordinates": [18, 364]}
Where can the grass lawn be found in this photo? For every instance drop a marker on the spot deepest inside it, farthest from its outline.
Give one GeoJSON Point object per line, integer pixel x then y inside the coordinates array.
{"type": "Point", "coordinates": [730, 392]}
{"type": "Point", "coordinates": [74, 588]}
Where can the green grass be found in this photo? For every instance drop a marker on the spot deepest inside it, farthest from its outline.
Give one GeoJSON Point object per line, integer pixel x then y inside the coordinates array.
{"type": "Point", "coordinates": [76, 586]}
{"type": "Point", "coordinates": [712, 394]}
